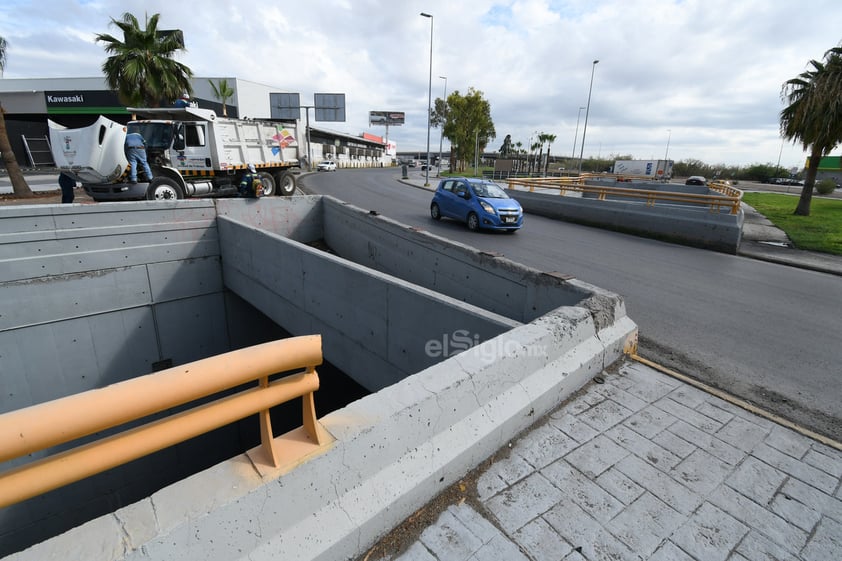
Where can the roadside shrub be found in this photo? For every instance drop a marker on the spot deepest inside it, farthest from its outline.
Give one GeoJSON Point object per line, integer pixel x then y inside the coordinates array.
{"type": "Point", "coordinates": [825, 186]}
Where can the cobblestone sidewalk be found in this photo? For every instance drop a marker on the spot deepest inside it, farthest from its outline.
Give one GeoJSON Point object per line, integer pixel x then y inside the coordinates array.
{"type": "Point", "coordinates": [644, 466]}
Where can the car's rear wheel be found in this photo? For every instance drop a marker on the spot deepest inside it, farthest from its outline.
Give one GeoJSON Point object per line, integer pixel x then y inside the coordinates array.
{"type": "Point", "coordinates": [435, 211]}
{"type": "Point", "coordinates": [473, 222]}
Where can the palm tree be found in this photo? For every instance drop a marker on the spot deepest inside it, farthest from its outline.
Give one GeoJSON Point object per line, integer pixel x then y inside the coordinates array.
{"type": "Point", "coordinates": [549, 138]}
{"type": "Point", "coordinates": [814, 115]}
{"type": "Point", "coordinates": [19, 185]}
{"type": "Point", "coordinates": [140, 68]}
{"type": "Point", "coordinates": [223, 92]}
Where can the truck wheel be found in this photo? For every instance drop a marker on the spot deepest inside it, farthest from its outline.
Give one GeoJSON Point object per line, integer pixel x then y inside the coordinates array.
{"type": "Point", "coordinates": [163, 189]}
{"type": "Point", "coordinates": [285, 183]}
{"type": "Point", "coordinates": [268, 184]}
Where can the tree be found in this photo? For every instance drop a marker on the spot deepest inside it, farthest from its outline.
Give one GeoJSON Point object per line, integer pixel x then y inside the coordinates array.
{"type": "Point", "coordinates": [141, 69]}
{"type": "Point", "coordinates": [223, 92]}
{"type": "Point", "coordinates": [467, 122]}
{"type": "Point", "coordinates": [814, 116]}
{"type": "Point", "coordinates": [19, 185]}
{"type": "Point", "coordinates": [549, 139]}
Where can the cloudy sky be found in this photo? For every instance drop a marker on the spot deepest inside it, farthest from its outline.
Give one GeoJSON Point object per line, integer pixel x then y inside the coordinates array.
{"type": "Point", "coordinates": [694, 79]}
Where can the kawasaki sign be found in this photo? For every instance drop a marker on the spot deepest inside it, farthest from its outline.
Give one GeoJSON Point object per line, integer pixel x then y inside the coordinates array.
{"type": "Point", "coordinates": [83, 102]}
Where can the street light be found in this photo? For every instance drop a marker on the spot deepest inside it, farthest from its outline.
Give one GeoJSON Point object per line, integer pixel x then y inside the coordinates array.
{"type": "Point", "coordinates": [441, 131]}
{"type": "Point", "coordinates": [587, 112]}
{"type": "Point", "coordinates": [576, 134]}
{"type": "Point", "coordinates": [429, 102]}
{"type": "Point", "coordinates": [667, 153]}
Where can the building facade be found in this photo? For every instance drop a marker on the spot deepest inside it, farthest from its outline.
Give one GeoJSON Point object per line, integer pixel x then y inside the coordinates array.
{"type": "Point", "coordinates": [77, 102]}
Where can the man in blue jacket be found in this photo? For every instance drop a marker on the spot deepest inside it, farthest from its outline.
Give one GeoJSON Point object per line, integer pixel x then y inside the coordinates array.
{"type": "Point", "coordinates": [136, 153]}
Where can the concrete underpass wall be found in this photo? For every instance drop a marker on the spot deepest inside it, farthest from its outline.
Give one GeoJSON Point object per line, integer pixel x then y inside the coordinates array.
{"type": "Point", "coordinates": [374, 327]}
{"type": "Point", "coordinates": [486, 280]}
{"type": "Point", "coordinates": [692, 225]}
{"type": "Point", "coordinates": [91, 295]}
{"type": "Point", "coordinates": [394, 449]}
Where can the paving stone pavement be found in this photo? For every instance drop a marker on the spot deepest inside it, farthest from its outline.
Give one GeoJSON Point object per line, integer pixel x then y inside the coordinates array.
{"type": "Point", "coordinates": [644, 466]}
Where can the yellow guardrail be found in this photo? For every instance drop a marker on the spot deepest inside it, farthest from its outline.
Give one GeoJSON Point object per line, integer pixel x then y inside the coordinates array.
{"type": "Point", "coordinates": [63, 420]}
{"type": "Point", "coordinates": [728, 197]}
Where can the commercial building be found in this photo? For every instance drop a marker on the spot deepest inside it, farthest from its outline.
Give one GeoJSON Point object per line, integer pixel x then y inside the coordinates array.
{"type": "Point", "coordinates": [77, 102]}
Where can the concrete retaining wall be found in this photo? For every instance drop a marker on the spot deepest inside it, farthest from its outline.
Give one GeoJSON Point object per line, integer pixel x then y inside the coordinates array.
{"type": "Point", "coordinates": [395, 449]}
{"type": "Point", "coordinates": [374, 327]}
{"type": "Point", "coordinates": [695, 226]}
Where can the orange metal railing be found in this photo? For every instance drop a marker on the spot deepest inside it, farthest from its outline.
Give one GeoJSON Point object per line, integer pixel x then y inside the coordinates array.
{"type": "Point", "coordinates": [42, 426]}
{"type": "Point", "coordinates": [728, 197]}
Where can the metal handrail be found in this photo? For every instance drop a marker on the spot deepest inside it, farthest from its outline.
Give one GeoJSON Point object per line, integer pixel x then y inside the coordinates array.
{"type": "Point", "coordinates": [729, 198]}
{"type": "Point", "coordinates": [63, 420]}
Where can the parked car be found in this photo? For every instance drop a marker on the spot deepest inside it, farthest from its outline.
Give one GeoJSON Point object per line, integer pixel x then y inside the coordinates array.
{"type": "Point", "coordinates": [479, 203]}
{"type": "Point", "coordinates": [326, 165]}
{"type": "Point", "coordinates": [696, 180]}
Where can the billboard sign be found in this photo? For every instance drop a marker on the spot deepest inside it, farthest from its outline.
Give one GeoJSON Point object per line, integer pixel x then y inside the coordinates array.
{"type": "Point", "coordinates": [329, 107]}
{"type": "Point", "coordinates": [284, 106]}
{"type": "Point", "coordinates": [386, 117]}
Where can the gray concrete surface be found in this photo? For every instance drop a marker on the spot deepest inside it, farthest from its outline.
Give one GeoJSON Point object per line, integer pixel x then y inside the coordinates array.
{"type": "Point", "coordinates": [642, 466]}
{"type": "Point", "coordinates": [411, 438]}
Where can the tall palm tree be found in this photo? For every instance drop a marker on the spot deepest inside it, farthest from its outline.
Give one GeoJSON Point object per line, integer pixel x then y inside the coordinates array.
{"type": "Point", "coordinates": [549, 139]}
{"type": "Point", "coordinates": [141, 69]}
{"type": "Point", "coordinates": [19, 185]}
{"type": "Point", "coordinates": [814, 115]}
{"type": "Point", "coordinates": [223, 92]}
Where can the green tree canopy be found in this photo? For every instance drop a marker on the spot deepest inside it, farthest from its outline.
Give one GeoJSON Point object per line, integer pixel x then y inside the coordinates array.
{"type": "Point", "coordinates": [814, 115]}
{"type": "Point", "coordinates": [467, 122]}
{"type": "Point", "coordinates": [141, 69]}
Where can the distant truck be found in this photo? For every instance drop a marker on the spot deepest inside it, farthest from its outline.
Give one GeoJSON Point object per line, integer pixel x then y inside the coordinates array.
{"type": "Point", "coordinates": [658, 169]}
{"type": "Point", "coordinates": [192, 153]}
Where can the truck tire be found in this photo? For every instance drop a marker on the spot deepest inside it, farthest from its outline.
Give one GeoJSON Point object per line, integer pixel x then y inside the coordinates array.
{"type": "Point", "coordinates": [164, 189]}
{"type": "Point", "coordinates": [268, 182]}
{"type": "Point", "coordinates": [285, 183]}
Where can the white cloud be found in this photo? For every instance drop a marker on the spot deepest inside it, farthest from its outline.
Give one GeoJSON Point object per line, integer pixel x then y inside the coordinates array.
{"type": "Point", "coordinates": [704, 73]}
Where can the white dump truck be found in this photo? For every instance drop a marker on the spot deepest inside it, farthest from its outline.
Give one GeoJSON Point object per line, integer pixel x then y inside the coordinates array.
{"type": "Point", "coordinates": [192, 153]}
{"type": "Point", "coordinates": [659, 169]}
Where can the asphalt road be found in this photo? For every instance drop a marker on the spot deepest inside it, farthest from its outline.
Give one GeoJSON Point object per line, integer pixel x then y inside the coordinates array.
{"type": "Point", "coordinates": [764, 332]}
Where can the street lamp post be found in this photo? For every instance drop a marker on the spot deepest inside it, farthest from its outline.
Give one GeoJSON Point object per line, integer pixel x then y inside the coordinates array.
{"type": "Point", "coordinates": [587, 112]}
{"type": "Point", "coordinates": [441, 131]}
{"type": "Point", "coordinates": [667, 153]}
{"type": "Point", "coordinates": [429, 101]}
{"type": "Point", "coordinates": [576, 134]}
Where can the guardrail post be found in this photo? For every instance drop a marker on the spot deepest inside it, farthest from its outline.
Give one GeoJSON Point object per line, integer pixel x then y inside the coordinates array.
{"type": "Point", "coordinates": [308, 408]}
{"type": "Point", "coordinates": [267, 438]}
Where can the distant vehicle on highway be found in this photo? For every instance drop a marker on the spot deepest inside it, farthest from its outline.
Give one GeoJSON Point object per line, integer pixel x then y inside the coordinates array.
{"type": "Point", "coordinates": [479, 203]}
{"type": "Point", "coordinates": [696, 180]}
{"type": "Point", "coordinates": [327, 165]}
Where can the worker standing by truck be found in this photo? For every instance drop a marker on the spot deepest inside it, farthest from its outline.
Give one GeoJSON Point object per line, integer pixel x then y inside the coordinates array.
{"type": "Point", "coordinates": [250, 185]}
{"type": "Point", "coordinates": [136, 154]}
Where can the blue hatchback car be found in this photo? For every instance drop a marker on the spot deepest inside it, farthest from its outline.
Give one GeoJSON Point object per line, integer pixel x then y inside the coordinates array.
{"type": "Point", "coordinates": [479, 203]}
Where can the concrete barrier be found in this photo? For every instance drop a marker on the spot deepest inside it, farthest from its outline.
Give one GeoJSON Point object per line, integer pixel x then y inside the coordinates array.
{"type": "Point", "coordinates": [394, 451]}
{"type": "Point", "coordinates": [692, 225]}
{"type": "Point", "coordinates": [378, 307]}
